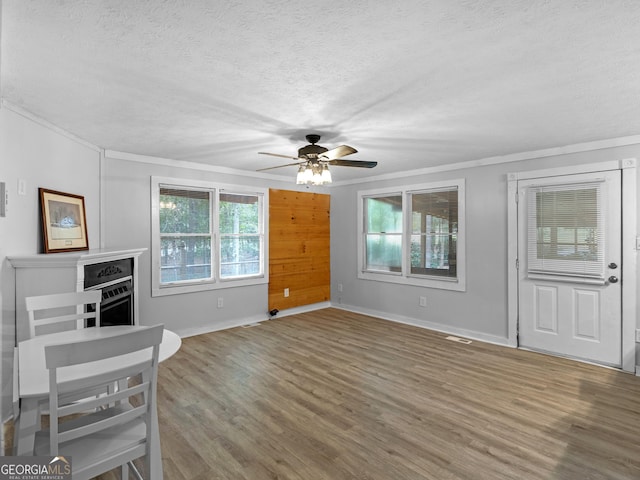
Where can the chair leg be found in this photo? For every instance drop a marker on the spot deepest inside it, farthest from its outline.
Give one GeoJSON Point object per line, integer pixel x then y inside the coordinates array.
{"type": "Point", "coordinates": [136, 472]}
{"type": "Point", "coordinates": [16, 431]}
{"type": "Point", "coordinates": [124, 471]}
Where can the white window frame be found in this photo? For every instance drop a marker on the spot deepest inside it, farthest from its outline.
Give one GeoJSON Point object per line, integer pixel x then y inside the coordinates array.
{"type": "Point", "coordinates": [214, 283]}
{"type": "Point", "coordinates": [405, 277]}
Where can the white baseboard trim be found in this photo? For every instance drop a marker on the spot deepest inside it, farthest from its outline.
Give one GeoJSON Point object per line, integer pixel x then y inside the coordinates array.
{"type": "Point", "coordinates": [438, 327]}
{"type": "Point", "coordinates": [225, 325]}
{"type": "Point", "coordinates": [240, 322]}
{"type": "Point", "coordinates": [303, 309]}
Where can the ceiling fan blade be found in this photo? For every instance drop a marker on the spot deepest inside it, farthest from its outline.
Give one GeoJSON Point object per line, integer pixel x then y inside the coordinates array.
{"type": "Point", "coordinates": [338, 152]}
{"type": "Point", "coordinates": [278, 155]}
{"type": "Point", "coordinates": [280, 166]}
{"type": "Point", "coordinates": [352, 163]}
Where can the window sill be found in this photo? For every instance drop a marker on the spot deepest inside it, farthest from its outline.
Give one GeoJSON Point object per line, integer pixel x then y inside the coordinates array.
{"type": "Point", "coordinates": [206, 286]}
{"type": "Point", "coordinates": [431, 282]}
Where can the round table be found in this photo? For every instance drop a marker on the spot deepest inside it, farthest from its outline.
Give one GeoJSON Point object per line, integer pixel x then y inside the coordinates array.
{"type": "Point", "coordinates": [33, 376]}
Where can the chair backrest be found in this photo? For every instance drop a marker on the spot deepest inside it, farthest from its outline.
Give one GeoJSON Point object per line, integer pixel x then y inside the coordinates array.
{"type": "Point", "coordinates": [109, 426]}
{"type": "Point", "coordinates": [63, 308]}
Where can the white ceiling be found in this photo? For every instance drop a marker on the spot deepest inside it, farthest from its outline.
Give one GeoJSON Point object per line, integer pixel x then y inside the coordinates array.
{"type": "Point", "coordinates": [410, 84]}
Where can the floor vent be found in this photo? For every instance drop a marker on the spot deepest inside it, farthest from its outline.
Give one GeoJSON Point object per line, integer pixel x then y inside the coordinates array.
{"type": "Point", "coordinates": [249, 325]}
{"type": "Point", "coordinates": [459, 340]}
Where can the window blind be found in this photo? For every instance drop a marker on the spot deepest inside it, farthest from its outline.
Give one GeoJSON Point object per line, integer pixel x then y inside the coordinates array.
{"type": "Point", "coordinates": [565, 230]}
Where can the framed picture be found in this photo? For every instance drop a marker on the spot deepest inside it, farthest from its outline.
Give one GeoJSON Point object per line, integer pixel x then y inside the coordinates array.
{"type": "Point", "coordinates": [64, 222]}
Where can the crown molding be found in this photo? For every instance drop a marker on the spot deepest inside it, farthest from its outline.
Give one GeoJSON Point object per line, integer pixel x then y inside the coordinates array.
{"type": "Point", "coordinates": [45, 123]}
{"type": "Point", "coordinates": [510, 158]}
{"type": "Point", "coordinates": [168, 162]}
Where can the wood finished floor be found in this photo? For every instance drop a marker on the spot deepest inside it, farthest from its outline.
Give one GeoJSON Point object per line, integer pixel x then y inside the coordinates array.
{"type": "Point", "coordinates": [334, 395]}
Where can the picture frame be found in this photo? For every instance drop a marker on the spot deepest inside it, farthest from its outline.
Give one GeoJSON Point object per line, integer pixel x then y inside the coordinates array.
{"type": "Point", "coordinates": [64, 221]}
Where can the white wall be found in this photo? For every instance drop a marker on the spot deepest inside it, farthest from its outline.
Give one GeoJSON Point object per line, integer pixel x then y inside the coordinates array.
{"type": "Point", "coordinates": [41, 156]}
{"type": "Point", "coordinates": [481, 311]}
{"type": "Point", "coordinates": [127, 224]}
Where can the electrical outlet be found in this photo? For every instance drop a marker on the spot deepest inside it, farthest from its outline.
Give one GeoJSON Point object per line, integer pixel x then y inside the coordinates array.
{"type": "Point", "coordinates": [286, 292]}
{"type": "Point", "coordinates": [638, 335]}
{"type": "Point", "coordinates": [340, 287]}
{"type": "Point", "coordinates": [220, 302]}
{"type": "Point", "coordinates": [423, 301]}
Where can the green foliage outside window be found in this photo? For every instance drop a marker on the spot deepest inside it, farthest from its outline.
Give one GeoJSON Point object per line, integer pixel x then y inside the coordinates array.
{"type": "Point", "coordinates": [240, 239]}
{"type": "Point", "coordinates": [384, 233]}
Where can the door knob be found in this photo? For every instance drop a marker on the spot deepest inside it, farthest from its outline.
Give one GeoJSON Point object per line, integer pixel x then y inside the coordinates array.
{"type": "Point", "coordinates": [613, 266]}
{"type": "Point", "coordinates": [613, 279]}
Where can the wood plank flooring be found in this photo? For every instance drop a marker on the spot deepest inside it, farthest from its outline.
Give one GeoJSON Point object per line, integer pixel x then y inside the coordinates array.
{"type": "Point", "coordinates": [334, 395]}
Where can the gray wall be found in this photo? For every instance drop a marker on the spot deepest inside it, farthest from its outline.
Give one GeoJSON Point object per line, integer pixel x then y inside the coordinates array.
{"type": "Point", "coordinates": [127, 224]}
{"type": "Point", "coordinates": [119, 216]}
{"type": "Point", "coordinates": [481, 311]}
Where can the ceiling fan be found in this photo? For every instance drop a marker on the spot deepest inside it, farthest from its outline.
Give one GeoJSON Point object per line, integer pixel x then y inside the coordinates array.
{"type": "Point", "coordinates": [313, 161]}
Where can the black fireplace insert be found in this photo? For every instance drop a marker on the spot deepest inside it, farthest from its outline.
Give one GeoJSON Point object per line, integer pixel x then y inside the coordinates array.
{"type": "Point", "coordinates": [115, 279]}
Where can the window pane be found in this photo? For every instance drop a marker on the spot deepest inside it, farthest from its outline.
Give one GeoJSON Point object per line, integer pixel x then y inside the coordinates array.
{"type": "Point", "coordinates": [185, 258]}
{"type": "Point", "coordinates": [434, 220]}
{"type": "Point", "coordinates": [240, 239]}
{"type": "Point", "coordinates": [384, 214]}
{"type": "Point", "coordinates": [566, 222]}
{"type": "Point", "coordinates": [184, 211]}
{"type": "Point", "coordinates": [384, 252]}
{"type": "Point", "coordinates": [240, 255]}
{"type": "Point", "coordinates": [383, 225]}
{"type": "Point", "coordinates": [239, 213]}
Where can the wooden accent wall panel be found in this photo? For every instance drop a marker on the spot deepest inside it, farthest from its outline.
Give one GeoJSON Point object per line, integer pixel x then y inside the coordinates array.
{"type": "Point", "coordinates": [299, 251]}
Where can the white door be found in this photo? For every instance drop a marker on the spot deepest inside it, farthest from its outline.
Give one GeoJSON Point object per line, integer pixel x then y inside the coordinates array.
{"type": "Point", "coordinates": [569, 264]}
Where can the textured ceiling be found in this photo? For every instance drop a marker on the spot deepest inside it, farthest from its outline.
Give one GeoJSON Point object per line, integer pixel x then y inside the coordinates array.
{"type": "Point", "coordinates": [410, 84]}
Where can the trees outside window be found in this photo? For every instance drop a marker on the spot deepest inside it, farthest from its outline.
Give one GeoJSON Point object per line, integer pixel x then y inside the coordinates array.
{"type": "Point", "coordinates": [205, 235]}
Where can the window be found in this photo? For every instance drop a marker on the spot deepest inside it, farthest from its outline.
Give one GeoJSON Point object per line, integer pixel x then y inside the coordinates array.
{"type": "Point", "coordinates": [566, 230]}
{"type": "Point", "coordinates": [414, 235]}
{"type": "Point", "coordinates": [185, 234]}
{"type": "Point", "coordinates": [206, 236]}
{"type": "Point", "coordinates": [434, 232]}
{"type": "Point", "coordinates": [240, 238]}
{"type": "Point", "coordinates": [383, 233]}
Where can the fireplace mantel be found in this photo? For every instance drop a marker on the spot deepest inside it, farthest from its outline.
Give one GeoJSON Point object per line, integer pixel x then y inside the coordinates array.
{"type": "Point", "coordinates": [72, 259]}
{"type": "Point", "coordinates": [43, 274]}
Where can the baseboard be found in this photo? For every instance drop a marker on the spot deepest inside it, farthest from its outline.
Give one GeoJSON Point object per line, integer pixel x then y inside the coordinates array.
{"type": "Point", "coordinates": [637, 370]}
{"type": "Point", "coordinates": [449, 330]}
{"type": "Point", "coordinates": [304, 309]}
{"type": "Point", "coordinates": [438, 327]}
{"type": "Point", "coordinates": [225, 325]}
{"type": "Point", "coordinates": [240, 322]}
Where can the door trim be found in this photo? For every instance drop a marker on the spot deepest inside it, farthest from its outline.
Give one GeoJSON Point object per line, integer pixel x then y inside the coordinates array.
{"type": "Point", "coordinates": [629, 254]}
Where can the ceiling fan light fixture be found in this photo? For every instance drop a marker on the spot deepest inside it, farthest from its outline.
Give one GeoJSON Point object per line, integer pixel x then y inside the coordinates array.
{"type": "Point", "coordinates": [317, 174]}
{"type": "Point", "coordinates": [299, 176]}
{"type": "Point", "coordinates": [311, 173]}
{"type": "Point", "coordinates": [305, 174]}
{"type": "Point", "coordinates": [325, 177]}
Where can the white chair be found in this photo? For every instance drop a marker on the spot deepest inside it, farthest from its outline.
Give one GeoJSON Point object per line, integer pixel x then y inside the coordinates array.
{"type": "Point", "coordinates": [64, 311]}
{"type": "Point", "coordinates": [16, 400]}
{"type": "Point", "coordinates": [71, 308]}
{"type": "Point", "coordinates": [117, 432]}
